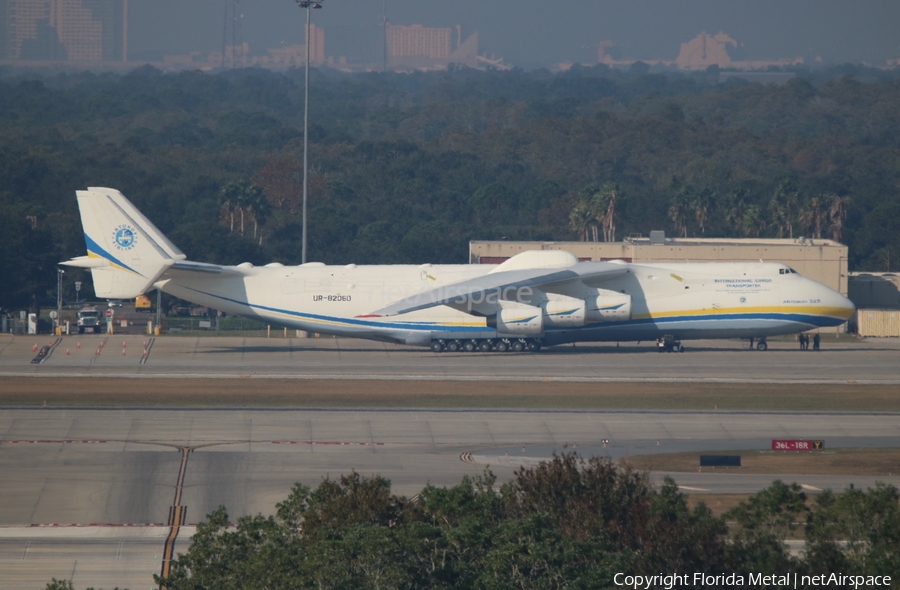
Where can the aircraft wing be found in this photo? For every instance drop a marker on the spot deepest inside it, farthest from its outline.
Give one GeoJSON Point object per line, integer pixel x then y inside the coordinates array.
{"type": "Point", "coordinates": [499, 282]}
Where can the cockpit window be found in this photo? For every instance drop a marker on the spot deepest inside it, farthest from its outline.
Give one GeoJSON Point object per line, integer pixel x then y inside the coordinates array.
{"type": "Point", "coordinates": [786, 271]}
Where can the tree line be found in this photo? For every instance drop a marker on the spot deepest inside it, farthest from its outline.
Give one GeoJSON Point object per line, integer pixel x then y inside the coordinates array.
{"type": "Point", "coordinates": [407, 168]}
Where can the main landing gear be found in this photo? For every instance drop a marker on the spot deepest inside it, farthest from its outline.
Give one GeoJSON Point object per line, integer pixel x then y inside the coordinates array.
{"type": "Point", "coordinates": [761, 345]}
{"type": "Point", "coordinates": [669, 344]}
{"type": "Point", "coordinates": [487, 345]}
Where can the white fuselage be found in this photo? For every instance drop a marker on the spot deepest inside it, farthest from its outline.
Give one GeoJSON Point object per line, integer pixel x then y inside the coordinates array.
{"type": "Point", "coordinates": [684, 300]}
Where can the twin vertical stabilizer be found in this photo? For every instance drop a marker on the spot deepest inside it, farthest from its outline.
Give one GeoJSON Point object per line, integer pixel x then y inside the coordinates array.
{"type": "Point", "coordinates": [125, 251]}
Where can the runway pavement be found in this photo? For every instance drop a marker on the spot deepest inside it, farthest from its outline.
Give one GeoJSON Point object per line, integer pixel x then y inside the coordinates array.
{"type": "Point", "coordinates": [847, 359]}
{"type": "Point", "coordinates": [104, 468]}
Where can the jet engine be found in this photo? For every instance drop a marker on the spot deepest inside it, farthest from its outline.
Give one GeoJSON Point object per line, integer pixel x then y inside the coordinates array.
{"type": "Point", "coordinates": [524, 320]}
{"type": "Point", "coordinates": [609, 306]}
{"type": "Point", "coordinates": [565, 313]}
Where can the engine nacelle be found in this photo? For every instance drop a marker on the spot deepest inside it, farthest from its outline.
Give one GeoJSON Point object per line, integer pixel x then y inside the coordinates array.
{"type": "Point", "coordinates": [524, 320]}
{"type": "Point", "coordinates": [609, 307]}
{"type": "Point", "coordinates": [565, 313]}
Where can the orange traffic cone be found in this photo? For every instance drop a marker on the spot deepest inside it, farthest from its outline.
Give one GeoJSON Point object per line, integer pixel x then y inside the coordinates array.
{"type": "Point", "coordinates": [67, 352]}
{"type": "Point", "coordinates": [98, 352]}
{"type": "Point", "coordinates": [34, 348]}
{"type": "Point", "coordinates": [78, 344]}
{"type": "Point", "coordinates": [123, 352]}
{"type": "Point", "coordinates": [123, 344]}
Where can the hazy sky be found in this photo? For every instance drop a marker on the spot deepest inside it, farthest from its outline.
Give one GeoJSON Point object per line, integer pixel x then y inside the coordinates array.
{"type": "Point", "coordinates": [533, 33]}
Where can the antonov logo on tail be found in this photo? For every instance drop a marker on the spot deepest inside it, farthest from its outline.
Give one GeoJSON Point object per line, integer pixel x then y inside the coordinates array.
{"type": "Point", "coordinates": [534, 299]}
{"type": "Point", "coordinates": [125, 237]}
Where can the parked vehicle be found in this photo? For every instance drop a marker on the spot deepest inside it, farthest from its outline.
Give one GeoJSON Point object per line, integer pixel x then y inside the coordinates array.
{"type": "Point", "coordinates": [143, 303]}
{"type": "Point", "coordinates": [89, 320]}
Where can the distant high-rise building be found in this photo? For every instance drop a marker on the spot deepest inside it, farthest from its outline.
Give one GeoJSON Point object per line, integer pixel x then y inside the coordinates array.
{"type": "Point", "coordinates": [418, 41]}
{"type": "Point", "coordinates": [84, 31]}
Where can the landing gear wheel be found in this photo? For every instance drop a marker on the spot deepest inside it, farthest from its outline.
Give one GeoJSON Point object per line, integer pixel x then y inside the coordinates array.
{"type": "Point", "coordinates": [469, 346]}
{"type": "Point", "coordinates": [501, 346]}
{"type": "Point", "coordinates": [534, 346]}
{"type": "Point", "coordinates": [761, 345]}
{"type": "Point", "coordinates": [518, 346]}
{"type": "Point", "coordinates": [452, 346]}
{"type": "Point", "coordinates": [484, 346]}
{"type": "Point", "coordinates": [437, 346]}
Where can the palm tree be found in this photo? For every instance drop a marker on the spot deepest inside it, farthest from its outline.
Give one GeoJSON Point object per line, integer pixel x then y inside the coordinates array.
{"type": "Point", "coordinates": [837, 212]}
{"type": "Point", "coordinates": [229, 196]}
{"type": "Point", "coordinates": [680, 205]}
{"type": "Point", "coordinates": [813, 216]}
{"type": "Point", "coordinates": [736, 211]}
{"type": "Point", "coordinates": [787, 197]}
{"type": "Point", "coordinates": [680, 212]}
{"type": "Point", "coordinates": [580, 219]}
{"type": "Point", "coordinates": [778, 217]}
{"type": "Point", "coordinates": [609, 220]}
{"type": "Point", "coordinates": [753, 221]}
{"type": "Point", "coordinates": [591, 199]}
{"type": "Point", "coordinates": [258, 206]}
{"type": "Point", "coordinates": [701, 205]}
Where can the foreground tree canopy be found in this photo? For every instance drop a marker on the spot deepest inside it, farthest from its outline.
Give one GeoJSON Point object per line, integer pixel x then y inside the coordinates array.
{"type": "Point", "coordinates": [408, 168]}
{"type": "Point", "coordinates": [566, 523]}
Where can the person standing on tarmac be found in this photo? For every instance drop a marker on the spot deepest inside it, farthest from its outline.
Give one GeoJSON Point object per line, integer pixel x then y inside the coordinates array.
{"type": "Point", "coordinates": [816, 341]}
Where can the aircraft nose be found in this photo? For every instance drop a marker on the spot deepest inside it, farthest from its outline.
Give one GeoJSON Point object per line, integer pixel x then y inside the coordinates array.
{"type": "Point", "coordinates": [840, 306]}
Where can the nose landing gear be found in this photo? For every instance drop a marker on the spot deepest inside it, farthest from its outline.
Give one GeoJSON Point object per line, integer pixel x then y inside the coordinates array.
{"type": "Point", "coordinates": [669, 344]}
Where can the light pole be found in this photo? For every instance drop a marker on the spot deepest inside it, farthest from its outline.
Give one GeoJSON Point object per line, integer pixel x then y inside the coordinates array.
{"type": "Point", "coordinates": [59, 273]}
{"type": "Point", "coordinates": [308, 5]}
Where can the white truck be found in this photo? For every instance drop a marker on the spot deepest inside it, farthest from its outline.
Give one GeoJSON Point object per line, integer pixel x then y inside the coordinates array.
{"type": "Point", "coordinates": [89, 319]}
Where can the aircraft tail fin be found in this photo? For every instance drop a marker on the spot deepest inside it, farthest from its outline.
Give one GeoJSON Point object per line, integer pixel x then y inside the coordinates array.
{"type": "Point", "coordinates": [126, 253]}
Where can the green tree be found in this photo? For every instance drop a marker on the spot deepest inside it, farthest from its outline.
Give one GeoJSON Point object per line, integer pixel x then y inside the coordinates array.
{"type": "Point", "coordinates": [783, 208]}
{"type": "Point", "coordinates": [754, 222]}
{"type": "Point", "coordinates": [736, 211]}
{"type": "Point", "coordinates": [856, 532]}
{"type": "Point", "coordinates": [681, 206]}
{"type": "Point", "coordinates": [229, 200]}
{"type": "Point", "coordinates": [813, 215]}
{"type": "Point", "coordinates": [837, 214]}
{"type": "Point", "coordinates": [763, 523]}
{"type": "Point", "coordinates": [701, 204]}
{"type": "Point", "coordinates": [580, 220]}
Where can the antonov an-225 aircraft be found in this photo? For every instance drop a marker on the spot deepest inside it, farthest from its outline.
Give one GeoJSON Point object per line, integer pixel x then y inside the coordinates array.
{"type": "Point", "coordinates": [535, 298]}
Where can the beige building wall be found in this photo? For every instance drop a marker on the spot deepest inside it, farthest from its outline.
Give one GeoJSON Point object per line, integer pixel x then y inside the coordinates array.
{"type": "Point", "coordinates": [824, 261]}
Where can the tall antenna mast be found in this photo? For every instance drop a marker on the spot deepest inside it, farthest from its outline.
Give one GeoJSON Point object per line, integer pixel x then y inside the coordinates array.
{"type": "Point", "coordinates": [224, 34]}
{"type": "Point", "coordinates": [385, 48]}
{"type": "Point", "coordinates": [235, 34]}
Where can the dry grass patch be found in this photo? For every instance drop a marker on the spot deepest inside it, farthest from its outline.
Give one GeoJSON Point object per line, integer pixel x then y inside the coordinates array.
{"type": "Point", "coordinates": [173, 391]}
